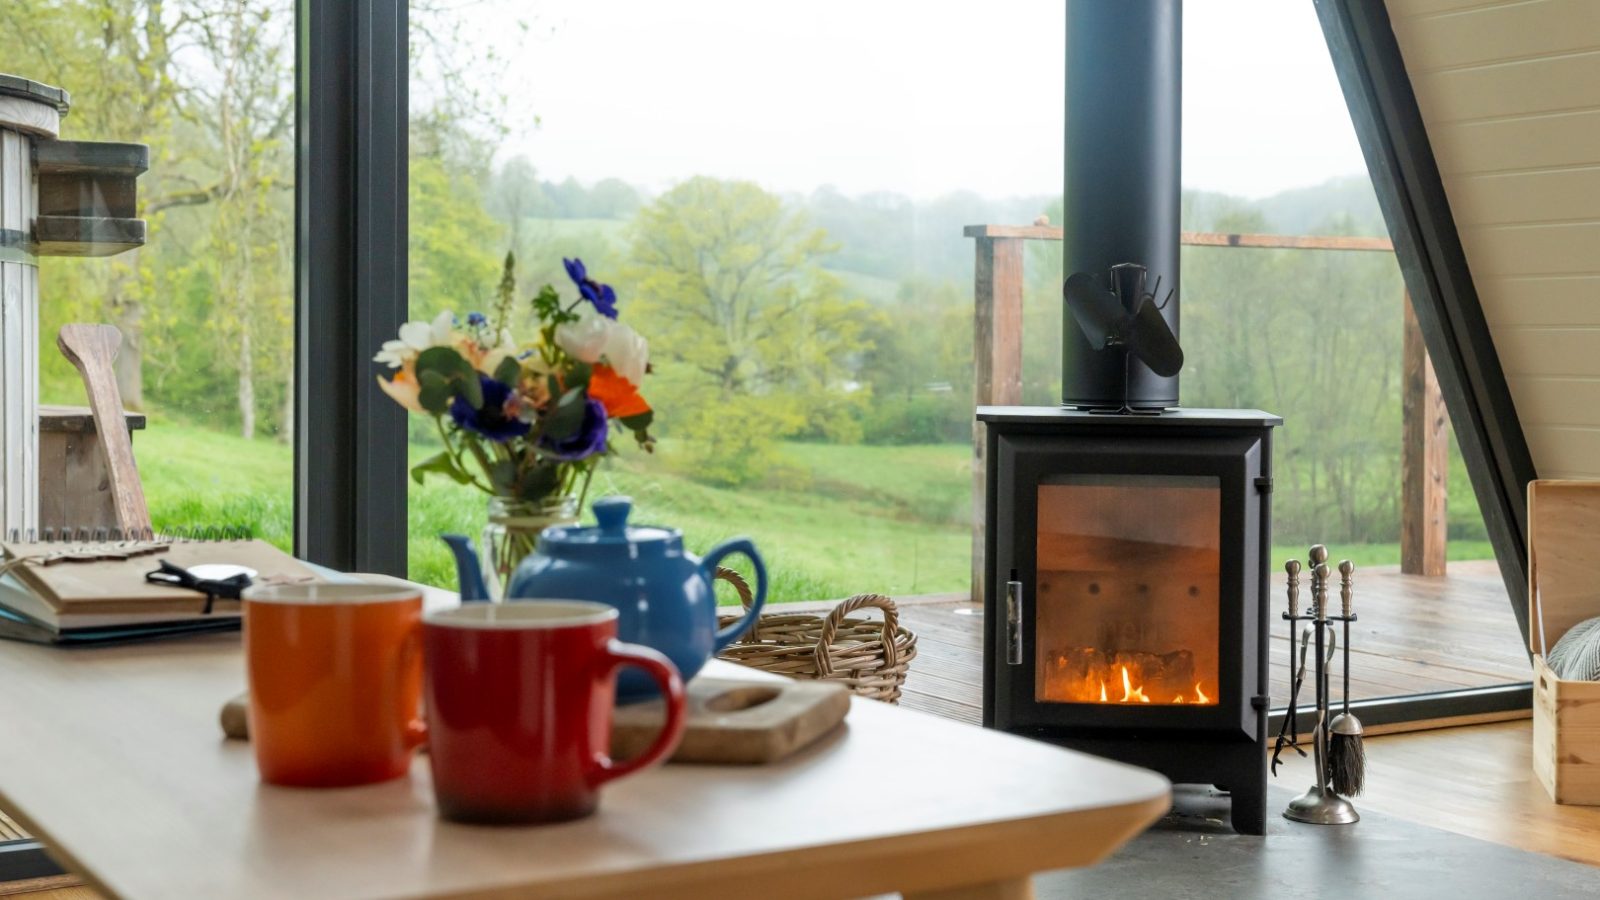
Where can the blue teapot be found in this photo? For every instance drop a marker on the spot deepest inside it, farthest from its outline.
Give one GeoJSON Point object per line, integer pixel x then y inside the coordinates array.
{"type": "Point", "coordinates": [663, 593]}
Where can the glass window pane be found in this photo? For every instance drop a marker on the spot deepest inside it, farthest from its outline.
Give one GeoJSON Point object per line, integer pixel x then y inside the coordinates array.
{"type": "Point", "coordinates": [206, 306]}
{"type": "Point", "coordinates": [1319, 336]}
{"type": "Point", "coordinates": [779, 202]}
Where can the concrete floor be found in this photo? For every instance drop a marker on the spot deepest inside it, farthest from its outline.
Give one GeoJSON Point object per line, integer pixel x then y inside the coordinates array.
{"type": "Point", "coordinates": [1194, 854]}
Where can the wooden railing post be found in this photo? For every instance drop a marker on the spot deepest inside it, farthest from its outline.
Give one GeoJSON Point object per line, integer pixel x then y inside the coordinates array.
{"type": "Point", "coordinates": [1424, 458]}
{"type": "Point", "coordinates": [996, 359]}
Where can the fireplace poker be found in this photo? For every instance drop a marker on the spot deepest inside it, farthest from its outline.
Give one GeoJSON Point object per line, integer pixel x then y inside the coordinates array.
{"type": "Point", "coordinates": [1289, 731]}
{"type": "Point", "coordinates": [1347, 759]}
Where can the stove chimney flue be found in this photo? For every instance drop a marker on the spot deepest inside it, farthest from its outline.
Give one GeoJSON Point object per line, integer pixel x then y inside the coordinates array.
{"type": "Point", "coordinates": [1123, 143]}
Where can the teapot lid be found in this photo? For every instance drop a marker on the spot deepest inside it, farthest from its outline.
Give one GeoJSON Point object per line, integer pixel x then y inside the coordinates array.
{"type": "Point", "coordinates": [611, 535]}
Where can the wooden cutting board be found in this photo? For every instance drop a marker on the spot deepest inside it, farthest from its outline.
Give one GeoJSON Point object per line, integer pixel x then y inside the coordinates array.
{"type": "Point", "coordinates": [730, 722]}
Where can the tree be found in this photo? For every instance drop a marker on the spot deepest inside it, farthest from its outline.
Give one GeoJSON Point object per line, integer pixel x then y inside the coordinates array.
{"type": "Point", "coordinates": [746, 327]}
{"type": "Point", "coordinates": [455, 246]}
{"type": "Point", "coordinates": [514, 195]}
{"type": "Point", "coordinates": [612, 198]}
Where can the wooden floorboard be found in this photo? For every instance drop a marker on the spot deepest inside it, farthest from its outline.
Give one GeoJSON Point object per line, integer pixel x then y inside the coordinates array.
{"type": "Point", "coordinates": [1476, 781]}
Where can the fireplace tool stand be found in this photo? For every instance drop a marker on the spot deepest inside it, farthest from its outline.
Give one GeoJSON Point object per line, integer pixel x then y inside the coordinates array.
{"type": "Point", "coordinates": [1320, 804]}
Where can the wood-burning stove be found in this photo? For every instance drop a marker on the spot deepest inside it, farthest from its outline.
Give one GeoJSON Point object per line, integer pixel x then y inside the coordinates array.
{"type": "Point", "coordinates": [1125, 598]}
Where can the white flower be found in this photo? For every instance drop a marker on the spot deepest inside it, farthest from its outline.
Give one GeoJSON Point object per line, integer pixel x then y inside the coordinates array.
{"type": "Point", "coordinates": [594, 337]}
{"type": "Point", "coordinates": [626, 352]}
{"type": "Point", "coordinates": [416, 337]}
{"type": "Point", "coordinates": [586, 338]}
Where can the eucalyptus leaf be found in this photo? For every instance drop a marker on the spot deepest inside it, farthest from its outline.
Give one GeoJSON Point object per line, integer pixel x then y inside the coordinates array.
{"type": "Point", "coordinates": [503, 476]}
{"type": "Point", "coordinates": [578, 376]}
{"type": "Point", "coordinates": [640, 422]}
{"type": "Point", "coordinates": [434, 392]}
{"type": "Point", "coordinates": [509, 371]}
{"type": "Point", "coordinates": [470, 388]}
{"type": "Point", "coordinates": [567, 418]}
{"type": "Point", "coordinates": [443, 464]}
{"type": "Point", "coordinates": [539, 482]}
{"type": "Point", "coordinates": [444, 360]}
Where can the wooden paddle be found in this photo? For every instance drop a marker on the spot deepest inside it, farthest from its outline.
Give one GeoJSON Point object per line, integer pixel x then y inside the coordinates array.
{"type": "Point", "coordinates": [91, 348]}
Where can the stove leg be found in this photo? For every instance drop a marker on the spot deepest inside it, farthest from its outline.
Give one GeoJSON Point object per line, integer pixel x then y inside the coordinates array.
{"type": "Point", "coordinates": [1250, 811]}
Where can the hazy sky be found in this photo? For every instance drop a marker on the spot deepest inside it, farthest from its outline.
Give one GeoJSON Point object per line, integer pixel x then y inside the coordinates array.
{"type": "Point", "coordinates": [922, 98]}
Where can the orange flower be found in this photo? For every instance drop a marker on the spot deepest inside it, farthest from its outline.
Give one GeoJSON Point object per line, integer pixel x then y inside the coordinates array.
{"type": "Point", "coordinates": [403, 388]}
{"type": "Point", "coordinates": [617, 394]}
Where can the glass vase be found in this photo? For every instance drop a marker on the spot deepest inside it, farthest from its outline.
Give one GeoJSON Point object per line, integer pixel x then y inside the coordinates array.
{"type": "Point", "coordinates": [512, 532]}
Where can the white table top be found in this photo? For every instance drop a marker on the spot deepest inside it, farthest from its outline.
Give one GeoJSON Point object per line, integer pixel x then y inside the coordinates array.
{"type": "Point", "coordinates": [115, 759]}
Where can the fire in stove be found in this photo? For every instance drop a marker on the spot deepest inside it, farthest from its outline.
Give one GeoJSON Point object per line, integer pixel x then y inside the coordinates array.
{"type": "Point", "coordinates": [1091, 675]}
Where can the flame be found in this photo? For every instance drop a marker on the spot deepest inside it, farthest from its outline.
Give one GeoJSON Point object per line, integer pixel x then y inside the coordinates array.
{"type": "Point", "coordinates": [1072, 680]}
{"type": "Point", "coordinates": [1131, 693]}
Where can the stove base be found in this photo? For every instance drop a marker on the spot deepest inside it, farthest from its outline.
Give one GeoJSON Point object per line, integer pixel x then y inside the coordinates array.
{"type": "Point", "coordinates": [1238, 767]}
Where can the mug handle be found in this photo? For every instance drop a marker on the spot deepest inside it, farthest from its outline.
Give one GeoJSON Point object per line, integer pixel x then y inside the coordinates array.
{"type": "Point", "coordinates": [414, 730]}
{"type": "Point", "coordinates": [721, 551]}
{"type": "Point", "coordinates": [616, 655]}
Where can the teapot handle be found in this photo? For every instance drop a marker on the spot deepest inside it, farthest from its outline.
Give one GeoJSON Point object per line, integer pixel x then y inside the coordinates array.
{"type": "Point", "coordinates": [709, 565]}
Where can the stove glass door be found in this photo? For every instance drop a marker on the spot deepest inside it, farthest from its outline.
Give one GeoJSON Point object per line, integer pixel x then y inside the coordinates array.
{"type": "Point", "coordinates": [1129, 589]}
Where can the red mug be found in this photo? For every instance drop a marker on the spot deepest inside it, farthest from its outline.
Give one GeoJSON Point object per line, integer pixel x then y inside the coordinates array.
{"type": "Point", "coordinates": [519, 699]}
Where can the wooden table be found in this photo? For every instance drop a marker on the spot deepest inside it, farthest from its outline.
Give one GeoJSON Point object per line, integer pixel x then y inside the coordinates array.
{"type": "Point", "coordinates": [114, 758]}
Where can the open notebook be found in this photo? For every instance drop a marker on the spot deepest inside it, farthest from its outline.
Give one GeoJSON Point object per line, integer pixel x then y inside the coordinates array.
{"type": "Point", "coordinates": [102, 600]}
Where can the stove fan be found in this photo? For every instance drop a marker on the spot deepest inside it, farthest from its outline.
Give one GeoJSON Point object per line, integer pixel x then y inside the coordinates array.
{"type": "Point", "coordinates": [1127, 318]}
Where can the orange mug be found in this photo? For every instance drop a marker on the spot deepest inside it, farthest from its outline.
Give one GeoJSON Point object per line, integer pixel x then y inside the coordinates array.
{"type": "Point", "coordinates": [335, 676]}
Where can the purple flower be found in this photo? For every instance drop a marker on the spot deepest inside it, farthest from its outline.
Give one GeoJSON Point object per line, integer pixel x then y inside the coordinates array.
{"type": "Point", "coordinates": [491, 421]}
{"type": "Point", "coordinates": [589, 439]}
{"type": "Point", "coordinates": [601, 295]}
{"type": "Point", "coordinates": [477, 319]}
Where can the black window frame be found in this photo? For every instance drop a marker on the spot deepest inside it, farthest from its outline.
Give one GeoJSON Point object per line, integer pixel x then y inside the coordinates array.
{"type": "Point", "coordinates": [352, 78]}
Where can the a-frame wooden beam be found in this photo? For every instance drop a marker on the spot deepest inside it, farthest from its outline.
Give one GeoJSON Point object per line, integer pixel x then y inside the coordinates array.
{"type": "Point", "coordinates": [1411, 192]}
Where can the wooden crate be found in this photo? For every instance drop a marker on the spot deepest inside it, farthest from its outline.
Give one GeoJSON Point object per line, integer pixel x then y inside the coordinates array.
{"type": "Point", "coordinates": [1563, 590]}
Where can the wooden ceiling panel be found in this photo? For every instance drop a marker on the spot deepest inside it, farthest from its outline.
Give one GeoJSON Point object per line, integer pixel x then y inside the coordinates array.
{"type": "Point", "coordinates": [1520, 144]}
{"type": "Point", "coordinates": [1521, 88]}
{"type": "Point", "coordinates": [1500, 32]}
{"type": "Point", "coordinates": [1541, 300]}
{"type": "Point", "coordinates": [1551, 195]}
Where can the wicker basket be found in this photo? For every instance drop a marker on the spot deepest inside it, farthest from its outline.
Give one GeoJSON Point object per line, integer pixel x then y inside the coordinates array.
{"type": "Point", "coordinates": [867, 656]}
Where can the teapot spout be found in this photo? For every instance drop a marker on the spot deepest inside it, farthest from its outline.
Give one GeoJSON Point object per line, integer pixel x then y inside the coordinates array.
{"type": "Point", "coordinates": [468, 573]}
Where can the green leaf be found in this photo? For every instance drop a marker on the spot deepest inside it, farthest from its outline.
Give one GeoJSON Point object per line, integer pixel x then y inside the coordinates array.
{"type": "Point", "coordinates": [445, 361]}
{"type": "Point", "coordinates": [470, 389]}
{"type": "Point", "coordinates": [443, 464]}
{"type": "Point", "coordinates": [578, 376]}
{"type": "Point", "coordinates": [503, 476]}
{"type": "Point", "coordinates": [539, 482]}
{"type": "Point", "coordinates": [567, 418]}
{"type": "Point", "coordinates": [509, 371]}
{"type": "Point", "coordinates": [434, 393]}
{"type": "Point", "coordinates": [640, 422]}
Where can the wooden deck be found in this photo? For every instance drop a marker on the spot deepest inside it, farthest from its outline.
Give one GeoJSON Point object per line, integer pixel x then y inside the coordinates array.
{"type": "Point", "coordinates": [1414, 635]}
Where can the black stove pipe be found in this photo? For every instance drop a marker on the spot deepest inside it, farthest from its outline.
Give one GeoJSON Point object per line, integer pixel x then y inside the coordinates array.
{"type": "Point", "coordinates": [1123, 140]}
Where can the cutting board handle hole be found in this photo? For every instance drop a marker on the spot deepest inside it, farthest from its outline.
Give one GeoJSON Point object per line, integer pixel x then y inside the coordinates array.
{"type": "Point", "coordinates": [742, 698]}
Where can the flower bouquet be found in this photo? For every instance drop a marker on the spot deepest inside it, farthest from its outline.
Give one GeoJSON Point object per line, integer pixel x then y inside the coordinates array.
{"type": "Point", "coordinates": [526, 422]}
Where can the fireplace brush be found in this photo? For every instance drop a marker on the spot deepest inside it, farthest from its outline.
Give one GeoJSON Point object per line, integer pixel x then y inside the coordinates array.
{"type": "Point", "coordinates": [1347, 759]}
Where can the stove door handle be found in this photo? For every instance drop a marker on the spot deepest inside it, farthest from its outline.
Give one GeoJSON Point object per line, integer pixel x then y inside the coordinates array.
{"type": "Point", "coordinates": [1014, 621]}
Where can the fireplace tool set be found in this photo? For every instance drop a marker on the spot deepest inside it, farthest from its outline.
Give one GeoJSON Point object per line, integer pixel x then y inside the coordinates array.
{"type": "Point", "coordinates": [1336, 739]}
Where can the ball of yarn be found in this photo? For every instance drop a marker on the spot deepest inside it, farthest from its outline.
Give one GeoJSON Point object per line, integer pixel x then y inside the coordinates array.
{"type": "Point", "coordinates": [1576, 657]}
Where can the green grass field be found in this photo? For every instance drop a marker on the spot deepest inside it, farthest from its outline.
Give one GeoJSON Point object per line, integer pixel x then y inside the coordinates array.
{"type": "Point", "coordinates": [839, 520]}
